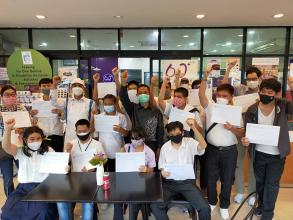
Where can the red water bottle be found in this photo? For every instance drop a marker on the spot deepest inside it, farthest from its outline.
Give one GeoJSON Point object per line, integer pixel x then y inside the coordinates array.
{"type": "Point", "coordinates": [106, 179]}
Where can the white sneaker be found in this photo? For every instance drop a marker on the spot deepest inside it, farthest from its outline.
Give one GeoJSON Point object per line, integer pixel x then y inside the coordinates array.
{"type": "Point", "coordinates": [224, 214]}
{"type": "Point", "coordinates": [212, 207]}
{"type": "Point", "coordinates": [238, 198]}
{"type": "Point", "coordinates": [251, 201]}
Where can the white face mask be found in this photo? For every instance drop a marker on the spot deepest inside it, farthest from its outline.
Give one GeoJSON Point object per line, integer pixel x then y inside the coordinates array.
{"type": "Point", "coordinates": [132, 96]}
{"type": "Point", "coordinates": [222, 101]}
{"type": "Point", "coordinates": [77, 91]}
{"type": "Point", "coordinates": [252, 84]}
{"type": "Point", "coordinates": [34, 146]}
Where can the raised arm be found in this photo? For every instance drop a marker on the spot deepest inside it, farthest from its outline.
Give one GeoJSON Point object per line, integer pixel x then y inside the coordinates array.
{"type": "Point", "coordinates": [177, 78]}
{"type": "Point", "coordinates": [6, 142]}
{"type": "Point", "coordinates": [96, 78]}
{"type": "Point", "coordinates": [128, 105]}
{"type": "Point", "coordinates": [161, 99]}
{"type": "Point", "coordinates": [202, 89]}
{"type": "Point", "coordinates": [154, 83]}
{"type": "Point", "coordinates": [230, 65]}
{"type": "Point", "coordinates": [201, 141]}
{"type": "Point", "coordinates": [115, 72]}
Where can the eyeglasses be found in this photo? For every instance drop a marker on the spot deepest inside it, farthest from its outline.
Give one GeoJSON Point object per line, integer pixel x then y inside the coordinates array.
{"type": "Point", "coordinates": [9, 95]}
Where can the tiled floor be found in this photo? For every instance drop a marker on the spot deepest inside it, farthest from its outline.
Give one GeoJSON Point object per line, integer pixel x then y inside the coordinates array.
{"type": "Point", "coordinates": [283, 211]}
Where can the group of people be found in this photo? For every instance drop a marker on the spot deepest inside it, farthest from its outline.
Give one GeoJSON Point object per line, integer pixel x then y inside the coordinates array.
{"type": "Point", "coordinates": [218, 149]}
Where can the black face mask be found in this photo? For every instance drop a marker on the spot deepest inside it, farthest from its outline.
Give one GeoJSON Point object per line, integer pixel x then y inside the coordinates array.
{"type": "Point", "coordinates": [266, 99]}
{"type": "Point", "coordinates": [83, 137]}
{"type": "Point", "coordinates": [46, 92]}
{"type": "Point", "coordinates": [176, 139]}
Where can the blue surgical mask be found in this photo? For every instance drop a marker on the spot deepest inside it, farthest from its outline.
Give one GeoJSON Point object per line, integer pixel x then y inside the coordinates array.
{"type": "Point", "coordinates": [143, 98]}
{"type": "Point", "coordinates": [109, 108]}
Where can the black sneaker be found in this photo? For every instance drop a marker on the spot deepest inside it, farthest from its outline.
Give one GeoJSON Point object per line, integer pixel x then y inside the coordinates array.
{"type": "Point", "coordinates": [257, 212]}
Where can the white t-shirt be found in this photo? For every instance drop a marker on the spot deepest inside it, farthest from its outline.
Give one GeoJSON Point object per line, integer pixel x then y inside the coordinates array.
{"type": "Point", "coordinates": [267, 120]}
{"type": "Point", "coordinates": [28, 171]}
{"type": "Point", "coordinates": [113, 141]}
{"type": "Point", "coordinates": [219, 135]}
{"type": "Point", "coordinates": [91, 146]}
{"type": "Point", "coordinates": [187, 108]}
{"type": "Point", "coordinates": [184, 155]}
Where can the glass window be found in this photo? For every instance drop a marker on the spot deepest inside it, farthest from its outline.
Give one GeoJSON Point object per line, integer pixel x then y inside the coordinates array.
{"type": "Point", "coordinates": [104, 39]}
{"type": "Point", "coordinates": [266, 40]}
{"type": "Point", "coordinates": [54, 39]}
{"type": "Point", "coordinates": [144, 39]}
{"type": "Point", "coordinates": [223, 41]}
{"type": "Point", "coordinates": [235, 74]}
{"type": "Point", "coordinates": [291, 42]}
{"type": "Point", "coordinates": [180, 39]}
{"type": "Point", "coordinates": [11, 40]}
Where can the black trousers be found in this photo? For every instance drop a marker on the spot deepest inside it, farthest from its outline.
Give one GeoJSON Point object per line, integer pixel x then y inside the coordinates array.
{"type": "Point", "coordinates": [56, 142]}
{"type": "Point", "coordinates": [203, 179]}
{"type": "Point", "coordinates": [187, 189]}
{"type": "Point", "coordinates": [220, 164]}
{"type": "Point", "coordinates": [268, 170]}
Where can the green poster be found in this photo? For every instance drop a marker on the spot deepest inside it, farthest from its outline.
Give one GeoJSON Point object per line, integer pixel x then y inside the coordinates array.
{"type": "Point", "coordinates": [25, 67]}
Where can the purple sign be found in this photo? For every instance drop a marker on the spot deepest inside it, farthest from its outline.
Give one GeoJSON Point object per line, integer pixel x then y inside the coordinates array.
{"type": "Point", "coordinates": [104, 66]}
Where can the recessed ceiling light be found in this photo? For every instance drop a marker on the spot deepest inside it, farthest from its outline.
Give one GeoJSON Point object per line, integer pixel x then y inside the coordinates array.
{"type": "Point", "coordinates": [117, 44]}
{"type": "Point", "coordinates": [41, 17]}
{"type": "Point", "coordinates": [117, 16]}
{"type": "Point", "coordinates": [205, 32]}
{"type": "Point", "coordinates": [200, 16]}
{"type": "Point", "coordinates": [278, 15]}
{"type": "Point", "coordinates": [72, 35]}
{"type": "Point", "coordinates": [214, 51]}
{"type": "Point", "coordinates": [44, 44]}
{"type": "Point", "coordinates": [156, 33]}
{"type": "Point", "coordinates": [232, 51]}
{"type": "Point", "coordinates": [250, 43]}
{"type": "Point", "coordinates": [228, 43]}
{"type": "Point", "coordinates": [251, 32]}
{"type": "Point", "coordinates": [186, 36]}
{"type": "Point", "coordinates": [131, 46]}
{"type": "Point", "coordinates": [179, 45]}
{"type": "Point", "coordinates": [191, 44]}
{"type": "Point", "coordinates": [240, 35]}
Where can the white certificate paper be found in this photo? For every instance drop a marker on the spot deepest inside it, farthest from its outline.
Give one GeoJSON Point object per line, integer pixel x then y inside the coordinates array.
{"type": "Point", "coordinates": [129, 162]}
{"type": "Point", "coordinates": [106, 88]}
{"type": "Point", "coordinates": [81, 160]}
{"type": "Point", "coordinates": [44, 109]}
{"type": "Point", "coordinates": [263, 134]}
{"type": "Point", "coordinates": [193, 98]}
{"type": "Point", "coordinates": [22, 118]}
{"type": "Point", "coordinates": [53, 162]}
{"type": "Point", "coordinates": [180, 171]}
{"type": "Point", "coordinates": [245, 101]}
{"type": "Point", "coordinates": [226, 113]}
{"type": "Point", "coordinates": [105, 123]}
{"type": "Point", "coordinates": [180, 115]}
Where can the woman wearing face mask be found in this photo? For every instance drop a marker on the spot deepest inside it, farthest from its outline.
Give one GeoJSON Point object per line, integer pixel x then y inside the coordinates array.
{"type": "Point", "coordinates": [112, 141]}
{"type": "Point", "coordinates": [137, 145]}
{"type": "Point", "coordinates": [269, 161]}
{"type": "Point", "coordinates": [29, 156]}
{"type": "Point", "coordinates": [9, 104]}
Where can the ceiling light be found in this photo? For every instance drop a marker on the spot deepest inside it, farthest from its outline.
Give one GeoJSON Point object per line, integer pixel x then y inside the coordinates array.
{"type": "Point", "coordinates": [179, 45]}
{"type": "Point", "coordinates": [250, 43]}
{"type": "Point", "coordinates": [232, 51]}
{"type": "Point", "coordinates": [240, 35]}
{"type": "Point", "coordinates": [191, 44]}
{"type": "Point", "coordinates": [200, 16]}
{"type": "Point", "coordinates": [251, 32]}
{"type": "Point", "coordinates": [72, 35]}
{"type": "Point", "coordinates": [228, 43]}
{"type": "Point", "coordinates": [185, 36]}
{"type": "Point", "coordinates": [205, 32]}
{"type": "Point", "coordinates": [116, 44]}
{"type": "Point", "coordinates": [278, 15]}
{"type": "Point", "coordinates": [131, 46]}
{"type": "Point", "coordinates": [44, 44]}
{"type": "Point", "coordinates": [82, 44]}
{"type": "Point", "coordinates": [41, 17]}
{"type": "Point", "coordinates": [214, 51]}
{"type": "Point", "coordinates": [117, 16]}
{"type": "Point", "coordinates": [156, 33]}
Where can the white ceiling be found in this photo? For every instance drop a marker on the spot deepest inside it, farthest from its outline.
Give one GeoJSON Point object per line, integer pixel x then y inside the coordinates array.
{"type": "Point", "coordinates": [148, 13]}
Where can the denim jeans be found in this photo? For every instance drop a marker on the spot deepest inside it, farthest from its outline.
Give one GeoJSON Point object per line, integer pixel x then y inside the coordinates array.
{"type": "Point", "coordinates": [65, 211]}
{"type": "Point", "coordinates": [6, 167]}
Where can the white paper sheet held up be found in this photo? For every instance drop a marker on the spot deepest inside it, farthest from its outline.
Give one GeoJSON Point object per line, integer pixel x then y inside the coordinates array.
{"type": "Point", "coordinates": [245, 100]}
{"type": "Point", "coordinates": [53, 162]}
{"type": "Point", "coordinates": [226, 113]}
{"type": "Point", "coordinates": [44, 109]}
{"type": "Point", "coordinates": [105, 123]}
{"type": "Point", "coordinates": [180, 171]}
{"type": "Point", "coordinates": [263, 134]}
{"type": "Point", "coordinates": [129, 162]}
{"type": "Point", "coordinates": [193, 98]}
{"type": "Point", "coordinates": [180, 115]}
{"type": "Point", "coordinates": [82, 160]}
{"type": "Point", "coordinates": [22, 118]}
{"type": "Point", "coordinates": [106, 88]}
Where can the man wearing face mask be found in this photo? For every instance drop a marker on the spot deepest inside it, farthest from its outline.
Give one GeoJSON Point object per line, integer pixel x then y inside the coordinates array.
{"type": "Point", "coordinates": [77, 107]}
{"type": "Point", "coordinates": [144, 115]}
{"type": "Point", "coordinates": [52, 126]}
{"type": "Point", "coordinates": [269, 161]}
{"type": "Point", "coordinates": [253, 79]}
{"type": "Point", "coordinates": [221, 153]}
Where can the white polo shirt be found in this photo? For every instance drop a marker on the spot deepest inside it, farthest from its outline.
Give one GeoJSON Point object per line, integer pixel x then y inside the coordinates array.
{"type": "Point", "coordinates": [113, 141]}
{"type": "Point", "coordinates": [184, 155]}
{"type": "Point", "coordinates": [219, 135]}
{"type": "Point", "coordinates": [28, 171]}
{"type": "Point", "coordinates": [91, 146]}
